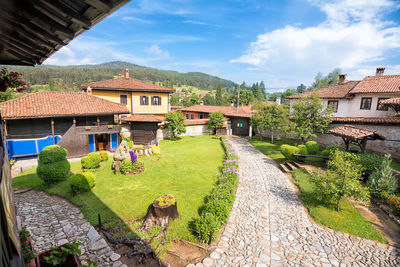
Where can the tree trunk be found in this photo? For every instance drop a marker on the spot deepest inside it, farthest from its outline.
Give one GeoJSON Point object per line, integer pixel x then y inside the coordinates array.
{"type": "Point", "coordinates": [159, 215]}
{"type": "Point", "coordinates": [338, 204]}
{"type": "Point", "coordinates": [272, 138]}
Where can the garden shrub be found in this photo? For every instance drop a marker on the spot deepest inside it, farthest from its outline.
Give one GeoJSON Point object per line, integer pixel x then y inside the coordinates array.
{"type": "Point", "coordinates": [126, 166]}
{"type": "Point", "coordinates": [129, 143]}
{"type": "Point", "coordinates": [303, 149]}
{"type": "Point", "coordinates": [53, 165]}
{"type": "Point", "coordinates": [393, 201]}
{"type": "Point", "coordinates": [103, 156]}
{"type": "Point", "coordinates": [82, 182]}
{"type": "Point", "coordinates": [371, 162]}
{"type": "Point", "coordinates": [312, 147]}
{"type": "Point", "coordinates": [288, 151]}
{"type": "Point", "coordinates": [91, 161]}
{"type": "Point", "coordinates": [219, 207]}
{"type": "Point", "coordinates": [223, 192]}
{"type": "Point", "coordinates": [334, 147]}
{"type": "Point", "coordinates": [325, 152]}
{"type": "Point", "coordinates": [206, 224]}
{"type": "Point", "coordinates": [382, 179]}
{"type": "Point", "coordinates": [155, 149]}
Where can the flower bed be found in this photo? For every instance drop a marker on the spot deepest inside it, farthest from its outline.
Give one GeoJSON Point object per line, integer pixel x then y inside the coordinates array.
{"type": "Point", "coordinates": [219, 202]}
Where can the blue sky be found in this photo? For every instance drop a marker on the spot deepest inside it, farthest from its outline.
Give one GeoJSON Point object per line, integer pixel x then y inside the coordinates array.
{"type": "Point", "coordinates": [284, 43]}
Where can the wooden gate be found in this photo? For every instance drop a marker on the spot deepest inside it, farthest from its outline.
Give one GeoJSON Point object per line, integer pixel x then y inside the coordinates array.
{"type": "Point", "coordinates": [240, 126]}
{"type": "Point", "coordinates": [143, 133]}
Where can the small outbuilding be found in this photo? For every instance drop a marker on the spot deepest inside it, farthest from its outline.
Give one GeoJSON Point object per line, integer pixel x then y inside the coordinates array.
{"type": "Point", "coordinates": [358, 136]}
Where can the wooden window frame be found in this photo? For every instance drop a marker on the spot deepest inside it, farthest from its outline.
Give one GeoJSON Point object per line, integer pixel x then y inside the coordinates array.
{"type": "Point", "coordinates": [385, 107]}
{"type": "Point", "coordinates": [146, 102]}
{"type": "Point", "coordinates": [153, 102]}
{"type": "Point", "coordinates": [192, 116]}
{"type": "Point", "coordinates": [370, 103]}
{"type": "Point", "coordinates": [187, 116]}
{"type": "Point", "coordinates": [121, 99]}
{"type": "Point", "coordinates": [335, 106]}
{"type": "Point", "coordinates": [201, 116]}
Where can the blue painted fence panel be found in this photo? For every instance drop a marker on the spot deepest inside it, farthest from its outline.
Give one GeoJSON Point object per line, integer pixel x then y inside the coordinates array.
{"type": "Point", "coordinates": [29, 147]}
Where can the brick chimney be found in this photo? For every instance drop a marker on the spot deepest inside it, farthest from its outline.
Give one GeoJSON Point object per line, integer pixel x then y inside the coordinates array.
{"type": "Point", "coordinates": [89, 90]}
{"type": "Point", "coordinates": [232, 103]}
{"type": "Point", "coordinates": [119, 76]}
{"type": "Point", "coordinates": [342, 78]}
{"type": "Point", "coordinates": [202, 103]}
{"type": "Point", "coordinates": [126, 73]}
{"type": "Point", "coordinates": [380, 71]}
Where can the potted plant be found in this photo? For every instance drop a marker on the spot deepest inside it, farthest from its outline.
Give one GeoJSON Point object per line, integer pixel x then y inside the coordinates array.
{"type": "Point", "coordinates": [109, 126]}
{"type": "Point", "coordinates": [87, 128]}
{"type": "Point", "coordinates": [27, 251]}
{"type": "Point", "coordinates": [62, 256]}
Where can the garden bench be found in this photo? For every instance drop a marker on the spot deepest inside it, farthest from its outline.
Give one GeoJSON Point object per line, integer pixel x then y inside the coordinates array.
{"type": "Point", "coordinates": [311, 156]}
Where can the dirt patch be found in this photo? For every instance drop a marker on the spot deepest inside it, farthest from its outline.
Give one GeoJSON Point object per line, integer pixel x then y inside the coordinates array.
{"type": "Point", "coordinates": [183, 253]}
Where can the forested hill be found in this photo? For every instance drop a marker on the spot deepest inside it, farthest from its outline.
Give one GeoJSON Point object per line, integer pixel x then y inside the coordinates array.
{"type": "Point", "coordinates": [71, 77]}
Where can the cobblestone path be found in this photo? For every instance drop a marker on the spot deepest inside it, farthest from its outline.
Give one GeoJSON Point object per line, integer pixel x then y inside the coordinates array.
{"type": "Point", "coordinates": [53, 221]}
{"type": "Point", "coordinates": [269, 226]}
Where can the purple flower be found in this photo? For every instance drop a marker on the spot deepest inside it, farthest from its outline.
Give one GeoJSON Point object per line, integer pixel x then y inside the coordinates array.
{"type": "Point", "coordinates": [133, 156]}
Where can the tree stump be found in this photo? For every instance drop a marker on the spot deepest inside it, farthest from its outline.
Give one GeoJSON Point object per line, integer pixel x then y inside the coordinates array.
{"type": "Point", "coordinates": [159, 213]}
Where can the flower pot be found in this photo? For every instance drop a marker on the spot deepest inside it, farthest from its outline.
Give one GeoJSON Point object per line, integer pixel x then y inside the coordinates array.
{"type": "Point", "coordinates": [109, 126]}
{"type": "Point", "coordinates": [72, 260]}
{"type": "Point", "coordinates": [87, 128]}
{"type": "Point", "coordinates": [32, 263]}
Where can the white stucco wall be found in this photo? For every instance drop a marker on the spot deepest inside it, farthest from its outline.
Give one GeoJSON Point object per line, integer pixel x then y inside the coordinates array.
{"type": "Point", "coordinates": [355, 103]}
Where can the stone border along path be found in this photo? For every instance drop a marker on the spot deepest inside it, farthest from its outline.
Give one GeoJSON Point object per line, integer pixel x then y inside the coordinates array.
{"type": "Point", "coordinates": [54, 221]}
{"type": "Point", "coordinates": [269, 226]}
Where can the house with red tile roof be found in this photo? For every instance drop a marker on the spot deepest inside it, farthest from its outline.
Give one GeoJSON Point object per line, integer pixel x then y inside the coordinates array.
{"type": "Point", "coordinates": [79, 122]}
{"type": "Point", "coordinates": [237, 118]}
{"type": "Point", "coordinates": [361, 101]}
{"type": "Point", "coordinates": [147, 103]}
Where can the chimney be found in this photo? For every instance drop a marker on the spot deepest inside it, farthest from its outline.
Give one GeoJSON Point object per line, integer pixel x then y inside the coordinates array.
{"type": "Point", "coordinates": [202, 103]}
{"type": "Point", "coordinates": [232, 103]}
{"type": "Point", "coordinates": [119, 76]}
{"type": "Point", "coordinates": [126, 73]}
{"type": "Point", "coordinates": [278, 100]}
{"type": "Point", "coordinates": [89, 90]}
{"type": "Point", "coordinates": [342, 78]}
{"type": "Point", "coordinates": [380, 71]}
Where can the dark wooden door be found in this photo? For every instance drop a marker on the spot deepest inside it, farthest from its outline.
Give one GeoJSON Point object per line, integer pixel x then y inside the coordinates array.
{"type": "Point", "coordinates": [143, 133]}
{"type": "Point", "coordinates": [240, 126]}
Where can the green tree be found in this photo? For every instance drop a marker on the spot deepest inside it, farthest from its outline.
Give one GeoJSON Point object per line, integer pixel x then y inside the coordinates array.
{"type": "Point", "coordinates": [343, 178]}
{"type": "Point", "coordinates": [382, 180]}
{"type": "Point", "coordinates": [216, 121]}
{"type": "Point", "coordinates": [191, 100]}
{"type": "Point", "coordinates": [301, 89]}
{"type": "Point", "coordinates": [175, 122]}
{"type": "Point", "coordinates": [272, 117]}
{"type": "Point", "coordinates": [209, 99]}
{"type": "Point", "coordinates": [8, 95]}
{"type": "Point", "coordinates": [175, 100]}
{"type": "Point", "coordinates": [310, 116]}
{"type": "Point", "coordinates": [218, 96]}
{"type": "Point", "coordinates": [321, 81]}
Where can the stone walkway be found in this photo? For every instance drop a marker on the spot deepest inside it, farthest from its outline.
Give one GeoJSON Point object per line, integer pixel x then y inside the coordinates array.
{"type": "Point", "coordinates": [269, 226]}
{"type": "Point", "coordinates": [53, 221]}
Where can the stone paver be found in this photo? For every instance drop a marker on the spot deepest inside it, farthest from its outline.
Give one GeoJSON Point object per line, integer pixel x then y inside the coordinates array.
{"type": "Point", "coordinates": [54, 221]}
{"type": "Point", "coordinates": [269, 226]}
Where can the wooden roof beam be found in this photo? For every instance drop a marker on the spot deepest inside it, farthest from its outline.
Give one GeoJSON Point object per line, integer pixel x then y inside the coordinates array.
{"type": "Point", "coordinates": [25, 43]}
{"type": "Point", "coordinates": [21, 54]}
{"type": "Point", "coordinates": [22, 48]}
{"type": "Point", "coordinates": [66, 10]}
{"type": "Point", "coordinates": [103, 5]}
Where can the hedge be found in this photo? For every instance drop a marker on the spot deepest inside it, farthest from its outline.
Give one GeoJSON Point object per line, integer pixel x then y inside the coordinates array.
{"type": "Point", "coordinates": [220, 200]}
{"type": "Point", "coordinates": [303, 149]}
{"type": "Point", "coordinates": [53, 165]}
{"type": "Point", "coordinates": [288, 151]}
{"type": "Point", "coordinates": [312, 147]}
{"type": "Point", "coordinates": [82, 182]}
{"type": "Point", "coordinates": [91, 161]}
{"type": "Point", "coordinates": [103, 156]}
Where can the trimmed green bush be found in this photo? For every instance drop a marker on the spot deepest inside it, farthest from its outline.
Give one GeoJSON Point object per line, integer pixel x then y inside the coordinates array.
{"type": "Point", "coordinates": [303, 149]}
{"type": "Point", "coordinates": [126, 166]}
{"type": "Point", "coordinates": [82, 182]}
{"type": "Point", "coordinates": [224, 192]}
{"type": "Point", "coordinates": [207, 224]}
{"type": "Point", "coordinates": [334, 147]}
{"type": "Point", "coordinates": [53, 165]}
{"type": "Point", "coordinates": [288, 151]}
{"type": "Point", "coordinates": [103, 156]}
{"type": "Point", "coordinates": [91, 161]}
{"type": "Point", "coordinates": [219, 207]}
{"type": "Point", "coordinates": [325, 152]}
{"type": "Point", "coordinates": [371, 162]}
{"type": "Point", "coordinates": [312, 147]}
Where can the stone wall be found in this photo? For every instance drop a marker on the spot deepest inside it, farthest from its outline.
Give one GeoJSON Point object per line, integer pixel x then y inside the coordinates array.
{"type": "Point", "coordinates": [390, 132]}
{"type": "Point", "coordinates": [190, 130]}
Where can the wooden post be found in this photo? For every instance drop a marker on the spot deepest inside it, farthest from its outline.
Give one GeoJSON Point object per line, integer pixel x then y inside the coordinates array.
{"type": "Point", "coordinates": [363, 144]}
{"type": "Point", "coordinates": [5, 127]}
{"type": "Point", "coordinates": [52, 131]}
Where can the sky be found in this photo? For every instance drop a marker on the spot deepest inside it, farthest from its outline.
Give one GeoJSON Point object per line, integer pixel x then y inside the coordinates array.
{"type": "Point", "coordinates": [282, 42]}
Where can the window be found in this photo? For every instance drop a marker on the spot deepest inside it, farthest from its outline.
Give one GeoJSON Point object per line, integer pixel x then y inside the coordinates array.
{"type": "Point", "coordinates": [201, 116]}
{"type": "Point", "coordinates": [366, 103]}
{"type": "Point", "coordinates": [379, 106]}
{"type": "Point", "coordinates": [144, 100]}
{"type": "Point", "coordinates": [333, 104]}
{"type": "Point", "coordinates": [192, 116]}
{"type": "Point", "coordinates": [123, 99]}
{"type": "Point", "coordinates": [156, 101]}
{"type": "Point", "coordinates": [187, 116]}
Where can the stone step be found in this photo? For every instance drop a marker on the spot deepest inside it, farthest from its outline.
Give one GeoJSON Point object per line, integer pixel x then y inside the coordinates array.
{"type": "Point", "coordinates": [298, 166]}
{"type": "Point", "coordinates": [291, 166]}
{"type": "Point", "coordinates": [284, 168]}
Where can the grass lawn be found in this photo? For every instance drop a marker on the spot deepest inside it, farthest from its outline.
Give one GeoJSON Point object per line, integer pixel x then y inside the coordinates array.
{"type": "Point", "coordinates": [348, 220]}
{"type": "Point", "coordinates": [186, 169]}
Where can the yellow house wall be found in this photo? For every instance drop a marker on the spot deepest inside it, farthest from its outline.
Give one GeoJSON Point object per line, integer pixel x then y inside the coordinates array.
{"type": "Point", "coordinates": [114, 96]}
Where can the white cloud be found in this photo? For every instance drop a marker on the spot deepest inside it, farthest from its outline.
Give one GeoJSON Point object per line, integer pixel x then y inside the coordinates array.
{"type": "Point", "coordinates": [136, 19]}
{"type": "Point", "coordinates": [353, 35]}
{"type": "Point", "coordinates": [157, 51]}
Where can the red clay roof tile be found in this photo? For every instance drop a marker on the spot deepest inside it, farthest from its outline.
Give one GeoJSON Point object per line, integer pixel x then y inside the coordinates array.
{"type": "Point", "coordinates": [244, 111]}
{"type": "Point", "coordinates": [378, 84]}
{"type": "Point", "coordinates": [355, 133]}
{"type": "Point", "coordinates": [335, 91]}
{"type": "Point", "coordinates": [128, 84]}
{"type": "Point", "coordinates": [58, 104]}
{"type": "Point", "coordinates": [377, 120]}
{"type": "Point", "coordinates": [143, 118]}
